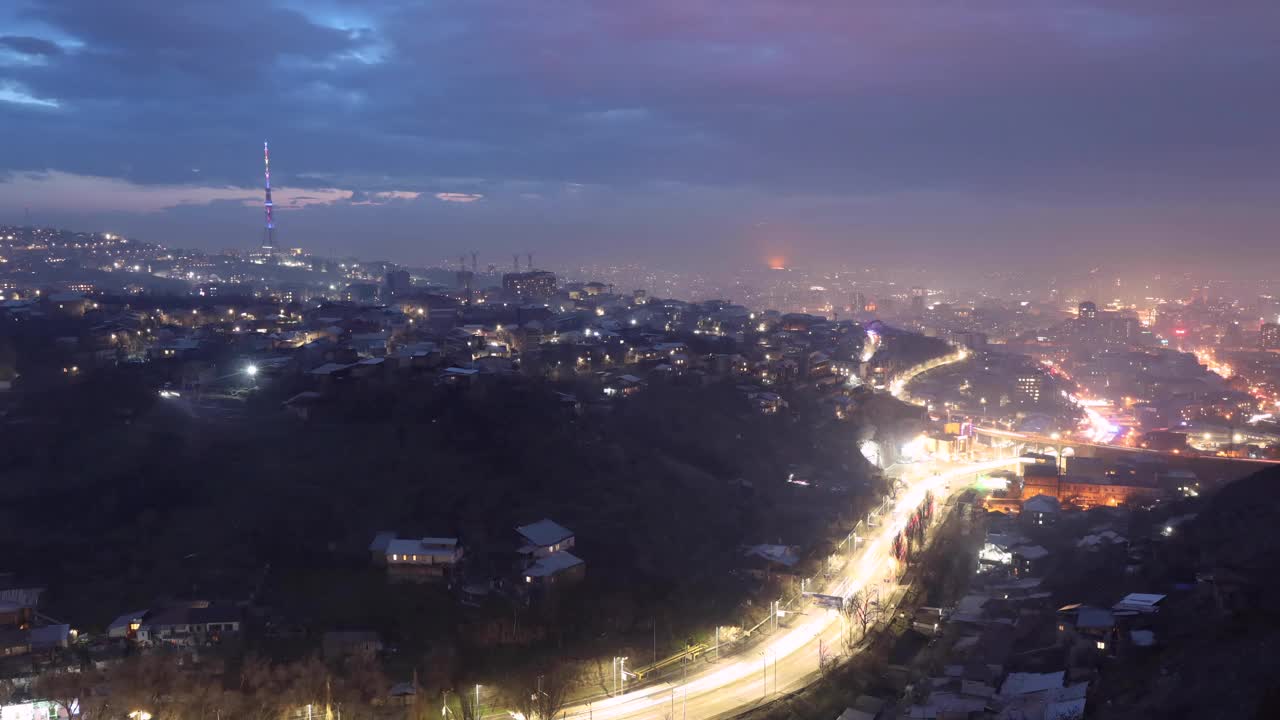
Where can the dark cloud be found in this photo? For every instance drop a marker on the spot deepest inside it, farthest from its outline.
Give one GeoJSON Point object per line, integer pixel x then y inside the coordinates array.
{"type": "Point", "coordinates": [30, 45]}
{"type": "Point", "coordinates": [714, 118]}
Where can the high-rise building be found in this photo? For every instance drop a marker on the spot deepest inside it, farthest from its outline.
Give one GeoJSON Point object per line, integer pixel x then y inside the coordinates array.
{"type": "Point", "coordinates": [917, 300]}
{"type": "Point", "coordinates": [1027, 388]}
{"type": "Point", "coordinates": [532, 284]}
{"type": "Point", "coordinates": [1269, 337]}
{"type": "Point", "coordinates": [398, 282]}
{"type": "Point", "coordinates": [1088, 322]}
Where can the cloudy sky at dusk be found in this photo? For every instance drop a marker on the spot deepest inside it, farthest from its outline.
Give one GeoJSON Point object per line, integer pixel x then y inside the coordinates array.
{"type": "Point", "coordinates": [666, 130]}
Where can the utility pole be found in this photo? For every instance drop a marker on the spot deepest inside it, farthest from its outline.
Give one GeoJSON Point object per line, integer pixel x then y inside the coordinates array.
{"type": "Point", "coordinates": [685, 689]}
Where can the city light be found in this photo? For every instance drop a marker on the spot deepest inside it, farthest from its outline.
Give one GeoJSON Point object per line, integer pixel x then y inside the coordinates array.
{"type": "Point", "coordinates": [251, 370]}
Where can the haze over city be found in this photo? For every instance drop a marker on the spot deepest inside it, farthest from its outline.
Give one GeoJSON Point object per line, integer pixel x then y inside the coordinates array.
{"type": "Point", "coordinates": [667, 132]}
{"type": "Point", "coordinates": [643, 360]}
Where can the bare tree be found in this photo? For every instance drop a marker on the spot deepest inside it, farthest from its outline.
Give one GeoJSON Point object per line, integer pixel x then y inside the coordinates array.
{"type": "Point", "coordinates": [826, 661]}
{"type": "Point", "coordinates": [64, 688]}
{"type": "Point", "coordinates": [360, 688]}
{"type": "Point", "coordinates": [541, 692]}
{"type": "Point", "coordinates": [552, 693]}
{"type": "Point", "coordinates": [153, 682]}
{"type": "Point", "coordinates": [304, 683]}
{"type": "Point", "coordinates": [522, 695]}
{"type": "Point", "coordinates": [260, 692]}
{"type": "Point", "coordinates": [862, 609]}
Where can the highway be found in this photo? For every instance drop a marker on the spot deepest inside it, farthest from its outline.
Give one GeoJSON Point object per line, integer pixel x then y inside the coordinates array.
{"type": "Point", "coordinates": [1062, 442]}
{"type": "Point", "coordinates": [787, 660]}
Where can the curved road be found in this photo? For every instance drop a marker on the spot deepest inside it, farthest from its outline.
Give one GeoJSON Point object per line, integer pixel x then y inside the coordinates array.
{"type": "Point", "coordinates": [788, 660]}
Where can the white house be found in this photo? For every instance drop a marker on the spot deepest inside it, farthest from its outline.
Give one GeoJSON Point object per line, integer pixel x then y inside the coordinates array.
{"type": "Point", "coordinates": [546, 543]}
{"type": "Point", "coordinates": [418, 559]}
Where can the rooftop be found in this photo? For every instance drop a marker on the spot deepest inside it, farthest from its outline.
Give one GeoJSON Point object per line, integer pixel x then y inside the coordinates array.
{"type": "Point", "coordinates": [1023, 683]}
{"type": "Point", "coordinates": [544, 533]}
{"type": "Point", "coordinates": [1042, 504]}
{"type": "Point", "coordinates": [781, 554]}
{"type": "Point", "coordinates": [1142, 602]}
{"type": "Point", "coordinates": [554, 563]}
{"type": "Point", "coordinates": [438, 547]}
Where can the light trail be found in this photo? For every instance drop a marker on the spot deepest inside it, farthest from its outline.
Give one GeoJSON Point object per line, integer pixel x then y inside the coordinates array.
{"type": "Point", "coordinates": [898, 387]}
{"type": "Point", "coordinates": [734, 682]}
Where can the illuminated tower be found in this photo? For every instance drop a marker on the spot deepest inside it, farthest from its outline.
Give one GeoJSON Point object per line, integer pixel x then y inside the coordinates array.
{"type": "Point", "coordinates": [269, 238]}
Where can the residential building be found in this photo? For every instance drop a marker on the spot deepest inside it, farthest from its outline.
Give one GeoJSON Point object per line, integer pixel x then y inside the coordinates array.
{"type": "Point", "coordinates": [1088, 626]}
{"type": "Point", "coordinates": [416, 559]}
{"type": "Point", "coordinates": [557, 568]}
{"type": "Point", "coordinates": [1269, 336]}
{"type": "Point", "coordinates": [1028, 388]}
{"type": "Point", "coordinates": [544, 537]}
{"type": "Point", "coordinates": [532, 284]}
{"type": "Point", "coordinates": [14, 643]}
{"type": "Point", "coordinates": [1041, 510]}
{"type": "Point", "coordinates": [546, 546]}
{"type": "Point", "coordinates": [198, 623]}
{"type": "Point", "coordinates": [767, 560]}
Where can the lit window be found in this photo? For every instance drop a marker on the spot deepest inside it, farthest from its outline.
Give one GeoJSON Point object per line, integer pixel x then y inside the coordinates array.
{"type": "Point", "coordinates": [1102, 645]}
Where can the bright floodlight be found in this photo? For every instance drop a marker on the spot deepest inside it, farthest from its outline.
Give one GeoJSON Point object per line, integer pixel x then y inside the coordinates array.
{"type": "Point", "coordinates": [251, 369]}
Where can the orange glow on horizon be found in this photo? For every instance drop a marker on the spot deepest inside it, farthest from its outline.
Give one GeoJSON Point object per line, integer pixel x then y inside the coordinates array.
{"type": "Point", "coordinates": [777, 262]}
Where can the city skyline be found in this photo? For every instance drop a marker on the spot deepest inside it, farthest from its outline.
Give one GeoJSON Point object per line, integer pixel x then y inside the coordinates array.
{"type": "Point", "coordinates": [809, 133]}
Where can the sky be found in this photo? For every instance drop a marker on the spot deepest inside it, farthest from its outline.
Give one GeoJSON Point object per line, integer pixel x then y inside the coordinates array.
{"type": "Point", "coordinates": [1019, 133]}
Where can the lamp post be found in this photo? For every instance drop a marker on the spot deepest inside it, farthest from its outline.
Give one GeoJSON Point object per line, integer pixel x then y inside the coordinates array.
{"type": "Point", "coordinates": [620, 677]}
{"type": "Point", "coordinates": [684, 688]}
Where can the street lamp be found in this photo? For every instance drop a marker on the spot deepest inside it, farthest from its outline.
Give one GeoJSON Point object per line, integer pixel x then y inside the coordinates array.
{"type": "Point", "coordinates": [620, 679]}
{"type": "Point", "coordinates": [251, 370]}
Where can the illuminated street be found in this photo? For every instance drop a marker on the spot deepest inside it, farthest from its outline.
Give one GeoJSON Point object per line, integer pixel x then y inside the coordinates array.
{"type": "Point", "coordinates": [789, 660]}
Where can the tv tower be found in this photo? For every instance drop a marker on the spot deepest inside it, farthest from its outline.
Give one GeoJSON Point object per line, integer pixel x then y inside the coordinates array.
{"type": "Point", "coordinates": [269, 239]}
